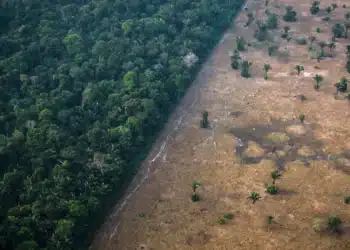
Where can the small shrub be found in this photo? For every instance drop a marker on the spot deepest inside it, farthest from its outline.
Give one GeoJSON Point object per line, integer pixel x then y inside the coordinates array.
{"type": "Point", "coordinates": [272, 49]}
{"type": "Point", "coordinates": [245, 69]}
{"type": "Point", "coordinates": [299, 68]}
{"type": "Point", "coordinates": [228, 216]}
{"type": "Point", "coordinates": [240, 43]}
{"type": "Point", "coordinates": [261, 32]}
{"type": "Point", "coordinates": [195, 198]}
{"type": "Point", "coordinates": [270, 219]}
{"type": "Point", "coordinates": [302, 118]}
{"type": "Point", "coordinates": [272, 21]}
{"type": "Point", "coordinates": [301, 40]}
{"type": "Point", "coordinates": [271, 189]}
{"type": "Point", "coordinates": [347, 198]}
{"type": "Point", "coordinates": [338, 30]}
{"type": "Point", "coordinates": [235, 60]}
{"type": "Point", "coordinates": [318, 30]}
{"type": "Point", "coordinates": [334, 5]}
{"type": "Point", "coordinates": [344, 6]}
{"type": "Point", "coordinates": [326, 18]}
{"type": "Point", "coordinates": [275, 175]}
{"type": "Point", "coordinates": [342, 86]}
{"type": "Point", "coordinates": [195, 185]}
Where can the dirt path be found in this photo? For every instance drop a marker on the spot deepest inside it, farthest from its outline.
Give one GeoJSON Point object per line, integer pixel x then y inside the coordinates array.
{"type": "Point", "coordinates": [232, 158]}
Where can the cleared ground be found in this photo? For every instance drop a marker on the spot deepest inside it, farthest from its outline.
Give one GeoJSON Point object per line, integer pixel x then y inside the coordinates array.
{"type": "Point", "coordinates": [249, 120]}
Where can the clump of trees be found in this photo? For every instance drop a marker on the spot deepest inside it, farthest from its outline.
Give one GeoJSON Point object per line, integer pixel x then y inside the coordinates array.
{"type": "Point", "coordinates": [290, 14]}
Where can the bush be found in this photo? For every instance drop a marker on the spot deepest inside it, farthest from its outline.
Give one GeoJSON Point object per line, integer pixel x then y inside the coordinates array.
{"type": "Point", "coordinates": [338, 30]}
{"type": "Point", "coordinates": [195, 198]}
{"type": "Point", "coordinates": [315, 7]}
{"type": "Point", "coordinates": [334, 224]}
{"type": "Point", "coordinates": [228, 216]}
{"type": "Point", "coordinates": [347, 198]}
{"type": "Point", "coordinates": [222, 221]}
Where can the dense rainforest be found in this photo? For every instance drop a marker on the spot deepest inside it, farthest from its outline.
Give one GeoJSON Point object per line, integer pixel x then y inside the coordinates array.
{"type": "Point", "coordinates": [85, 85]}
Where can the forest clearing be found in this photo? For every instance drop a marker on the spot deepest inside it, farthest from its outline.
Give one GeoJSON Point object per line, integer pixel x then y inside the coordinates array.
{"type": "Point", "coordinates": [270, 166]}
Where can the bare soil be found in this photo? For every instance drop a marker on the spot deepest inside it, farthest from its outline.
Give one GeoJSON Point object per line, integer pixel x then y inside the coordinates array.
{"type": "Point", "coordinates": [254, 129]}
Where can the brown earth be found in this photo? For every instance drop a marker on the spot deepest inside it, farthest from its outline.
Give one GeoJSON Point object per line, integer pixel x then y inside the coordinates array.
{"type": "Point", "coordinates": [254, 129]}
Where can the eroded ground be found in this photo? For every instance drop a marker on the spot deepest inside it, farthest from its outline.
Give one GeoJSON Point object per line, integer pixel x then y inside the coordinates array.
{"type": "Point", "coordinates": [254, 129]}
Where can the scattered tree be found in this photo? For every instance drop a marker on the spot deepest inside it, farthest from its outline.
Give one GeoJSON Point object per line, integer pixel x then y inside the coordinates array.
{"type": "Point", "coordinates": [286, 30]}
{"type": "Point", "coordinates": [271, 189]}
{"type": "Point", "coordinates": [334, 224]}
{"type": "Point", "coordinates": [275, 175]}
{"type": "Point", "coordinates": [318, 79]}
{"type": "Point", "coordinates": [228, 216]}
{"type": "Point", "coordinates": [338, 30]}
{"type": "Point", "coordinates": [235, 59]}
{"type": "Point", "coordinates": [270, 219]}
{"type": "Point", "coordinates": [302, 118]}
{"type": "Point", "coordinates": [267, 67]}
{"type": "Point", "coordinates": [347, 198]}
{"type": "Point", "coordinates": [342, 86]}
{"type": "Point", "coordinates": [204, 123]}
{"type": "Point", "coordinates": [290, 15]}
{"type": "Point", "coordinates": [245, 69]}
{"type": "Point", "coordinates": [254, 196]}
{"type": "Point", "coordinates": [195, 197]}
{"type": "Point", "coordinates": [299, 68]}
{"type": "Point", "coordinates": [261, 31]}
{"type": "Point", "coordinates": [240, 43]}
{"type": "Point", "coordinates": [272, 21]}
{"type": "Point", "coordinates": [318, 30]}
{"type": "Point", "coordinates": [250, 19]}
{"type": "Point", "coordinates": [315, 7]}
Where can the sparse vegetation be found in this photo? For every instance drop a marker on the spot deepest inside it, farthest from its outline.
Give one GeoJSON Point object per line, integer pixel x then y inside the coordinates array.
{"type": "Point", "coordinates": [267, 67]}
{"type": "Point", "coordinates": [204, 123]}
{"type": "Point", "coordinates": [254, 196]}
{"type": "Point", "coordinates": [271, 189]}
{"type": "Point", "coordinates": [245, 69]}
{"type": "Point", "coordinates": [299, 68]}
{"type": "Point", "coordinates": [275, 175]}
{"type": "Point", "coordinates": [290, 14]}
{"type": "Point", "coordinates": [301, 40]}
{"type": "Point", "coordinates": [315, 7]}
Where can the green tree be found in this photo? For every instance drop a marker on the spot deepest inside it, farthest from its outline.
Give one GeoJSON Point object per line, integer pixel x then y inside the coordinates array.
{"type": "Point", "coordinates": [204, 123]}
{"type": "Point", "coordinates": [250, 19]}
{"type": "Point", "coordinates": [272, 21]}
{"type": "Point", "coordinates": [318, 79]}
{"type": "Point", "coordinates": [235, 60]}
{"type": "Point", "coordinates": [286, 30]}
{"type": "Point", "coordinates": [338, 30]}
{"type": "Point", "coordinates": [290, 14]}
{"type": "Point", "coordinates": [240, 43]}
{"type": "Point", "coordinates": [271, 189]}
{"type": "Point", "coordinates": [334, 224]}
{"type": "Point", "coordinates": [302, 118]}
{"type": "Point", "coordinates": [315, 7]}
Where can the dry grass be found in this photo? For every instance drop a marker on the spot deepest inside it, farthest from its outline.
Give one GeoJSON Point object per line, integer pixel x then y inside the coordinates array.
{"type": "Point", "coordinates": [160, 214]}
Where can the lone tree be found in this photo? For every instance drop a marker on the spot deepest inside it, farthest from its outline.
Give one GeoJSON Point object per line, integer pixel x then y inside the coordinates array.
{"type": "Point", "coordinates": [204, 122]}
{"type": "Point", "coordinates": [240, 43]}
{"type": "Point", "coordinates": [290, 15]}
{"type": "Point", "coordinates": [235, 59]}
{"type": "Point", "coordinates": [254, 196]}
{"type": "Point", "coordinates": [267, 67]}
{"type": "Point", "coordinates": [318, 79]}
{"type": "Point", "coordinates": [245, 69]}
{"type": "Point", "coordinates": [315, 7]}
{"type": "Point", "coordinates": [286, 30]}
{"type": "Point", "coordinates": [250, 19]}
{"type": "Point", "coordinates": [299, 68]}
{"type": "Point", "coordinates": [275, 175]}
